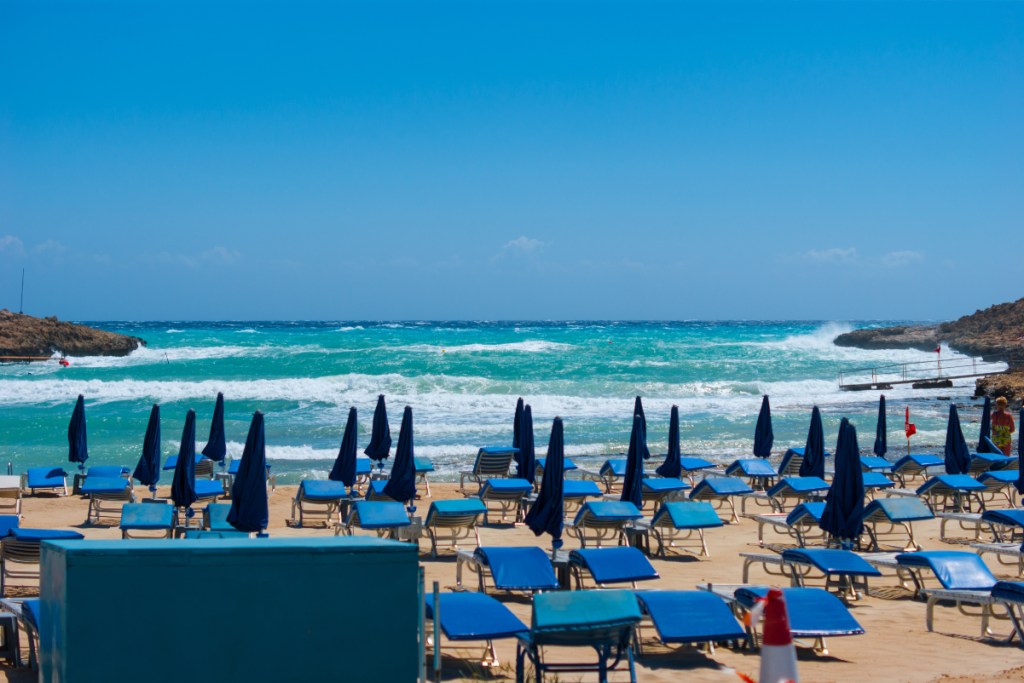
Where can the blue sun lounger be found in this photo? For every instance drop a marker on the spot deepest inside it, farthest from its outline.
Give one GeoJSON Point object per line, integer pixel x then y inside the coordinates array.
{"type": "Point", "coordinates": [567, 466]}
{"type": "Point", "coordinates": [951, 491]}
{"type": "Point", "coordinates": [524, 568]}
{"type": "Point", "coordinates": [676, 522]}
{"type": "Point", "coordinates": [757, 472]}
{"type": "Point", "coordinates": [46, 479]}
{"type": "Point", "coordinates": [599, 521]}
{"type": "Point", "coordinates": [215, 517]}
{"type": "Point", "coordinates": [844, 572]}
{"type": "Point", "coordinates": [576, 491]}
{"type": "Point", "coordinates": [505, 494]}
{"type": "Point", "coordinates": [106, 496]}
{"type": "Point", "coordinates": [1007, 525]}
{"type": "Point", "coordinates": [875, 482]}
{"type": "Point", "coordinates": [209, 490]}
{"type": "Point", "coordinates": [689, 618]}
{"type": "Point", "coordinates": [1007, 594]}
{"type": "Point", "coordinates": [873, 463]}
{"type": "Point", "coordinates": [814, 613]}
{"type": "Point", "coordinates": [1000, 486]}
{"type": "Point", "coordinates": [914, 466]}
{"type": "Point", "coordinates": [800, 523]}
{"type": "Point", "coordinates": [719, 491]}
{"type": "Point", "coordinates": [603, 620]}
{"type": "Point", "coordinates": [383, 517]}
{"type": "Point", "coordinates": [658, 490]}
{"type": "Point", "coordinates": [423, 467]}
{"type": "Point", "coordinates": [891, 520]}
{"type": "Point", "coordinates": [1010, 594]}
{"type": "Point", "coordinates": [620, 564]}
{"type": "Point", "coordinates": [789, 489]}
{"type": "Point", "coordinates": [985, 462]}
{"type": "Point", "coordinates": [470, 617]}
{"type": "Point", "coordinates": [154, 520]}
{"type": "Point", "coordinates": [491, 462]}
{"type": "Point", "coordinates": [611, 474]}
{"type": "Point", "coordinates": [453, 520]}
{"type": "Point", "coordinates": [19, 553]}
{"type": "Point", "coordinates": [320, 500]}
{"type": "Point", "coordinates": [954, 569]}
{"type": "Point", "coordinates": [689, 465]}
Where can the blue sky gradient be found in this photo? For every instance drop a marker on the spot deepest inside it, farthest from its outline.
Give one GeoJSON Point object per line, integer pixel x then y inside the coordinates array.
{"type": "Point", "coordinates": [530, 160]}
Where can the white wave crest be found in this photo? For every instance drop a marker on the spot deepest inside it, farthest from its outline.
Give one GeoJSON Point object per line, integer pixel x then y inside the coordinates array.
{"type": "Point", "coordinates": [534, 346]}
{"type": "Point", "coordinates": [349, 329]}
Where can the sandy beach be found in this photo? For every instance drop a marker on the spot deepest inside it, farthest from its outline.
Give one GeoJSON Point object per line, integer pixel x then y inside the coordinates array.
{"type": "Point", "coordinates": [896, 646]}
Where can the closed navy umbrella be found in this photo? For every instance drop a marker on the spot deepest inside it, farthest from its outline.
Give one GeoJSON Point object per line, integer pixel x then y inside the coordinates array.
{"type": "Point", "coordinates": [78, 447]}
{"type": "Point", "coordinates": [764, 437]}
{"type": "Point", "coordinates": [958, 455]}
{"type": "Point", "coordinates": [516, 422]}
{"type": "Point", "coordinates": [216, 446]}
{"type": "Point", "coordinates": [380, 436]}
{"type": "Point", "coordinates": [881, 439]}
{"type": "Point", "coordinates": [527, 458]}
{"type": "Point", "coordinates": [632, 483]}
{"type": "Point", "coordinates": [638, 409]}
{"type": "Point", "coordinates": [813, 464]}
{"type": "Point", "coordinates": [985, 432]}
{"type": "Point", "coordinates": [1020, 453]}
{"type": "Point", "coordinates": [147, 471]}
{"type": "Point", "coordinates": [344, 469]}
{"type": "Point", "coordinates": [547, 514]}
{"type": "Point", "coordinates": [844, 505]}
{"type": "Point", "coordinates": [249, 510]}
{"type": "Point", "coordinates": [183, 486]}
{"type": "Point", "coordinates": [401, 484]}
{"type": "Point", "coordinates": [672, 467]}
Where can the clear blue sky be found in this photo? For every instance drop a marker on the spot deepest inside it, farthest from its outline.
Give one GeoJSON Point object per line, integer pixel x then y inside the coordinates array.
{"type": "Point", "coordinates": [498, 160]}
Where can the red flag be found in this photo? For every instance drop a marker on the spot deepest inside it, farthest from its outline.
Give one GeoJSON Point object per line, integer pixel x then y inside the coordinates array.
{"type": "Point", "coordinates": [938, 349]}
{"type": "Point", "coordinates": [909, 426]}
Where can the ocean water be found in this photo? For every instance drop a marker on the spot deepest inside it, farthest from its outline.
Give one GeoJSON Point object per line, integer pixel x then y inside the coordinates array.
{"type": "Point", "coordinates": [462, 380]}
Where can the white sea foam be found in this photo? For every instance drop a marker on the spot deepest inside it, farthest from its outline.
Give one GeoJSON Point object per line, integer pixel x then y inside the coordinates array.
{"type": "Point", "coordinates": [173, 331]}
{"type": "Point", "coordinates": [533, 346]}
{"type": "Point", "coordinates": [349, 329]}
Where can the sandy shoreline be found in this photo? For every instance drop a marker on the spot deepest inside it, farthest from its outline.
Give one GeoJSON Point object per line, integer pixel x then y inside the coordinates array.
{"type": "Point", "coordinates": [896, 647]}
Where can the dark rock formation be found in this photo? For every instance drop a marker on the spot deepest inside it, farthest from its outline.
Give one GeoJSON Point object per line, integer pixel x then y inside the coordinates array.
{"type": "Point", "coordinates": [28, 337]}
{"type": "Point", "coordinates": [920, 337]}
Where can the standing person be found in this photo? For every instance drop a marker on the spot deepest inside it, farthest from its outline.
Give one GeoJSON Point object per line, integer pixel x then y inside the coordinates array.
{"type": "Point", "coordinates": [1002, 426]}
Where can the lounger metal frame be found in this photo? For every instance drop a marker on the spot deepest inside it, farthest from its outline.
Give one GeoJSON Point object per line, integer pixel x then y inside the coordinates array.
{"type": "Point", "coordinates": [10, 493]}
{"type": "Point", "coordinates": [486, 466]}
{"type": "Point", "coordinates": [805, 532]}
{"type": "Point", "coordinates": [18, 560]}
{"type": "Point", "coordinates": [108, 504]}
{"type": "Point", "coordinates": [880, 529]}
{"type": "Point", "coordinates": [327, 511]}
{"type": "Point", "coordinates": [1002, 551]}
{"type": "Point", "coordinates": [846, 586]}
{"type": "Point", "coordinates": [963, 599]}
{"type": "Point", "coordinates": [598, 531]}
{"type": "Point", "coordinates": [449, 528]}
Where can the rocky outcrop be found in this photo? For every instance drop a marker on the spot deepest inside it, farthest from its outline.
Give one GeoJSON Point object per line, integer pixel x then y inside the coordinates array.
{"type": "Point", "coordinates": [995, 334]}
{"type": "Point", "coordinates": [23, 336]}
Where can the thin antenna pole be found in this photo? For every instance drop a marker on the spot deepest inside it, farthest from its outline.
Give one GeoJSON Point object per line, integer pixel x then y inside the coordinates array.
{"type": "Point", "coordinates": [21, 304]}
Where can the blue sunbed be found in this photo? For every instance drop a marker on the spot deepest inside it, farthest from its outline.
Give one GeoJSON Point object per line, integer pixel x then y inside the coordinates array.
{"type": "Point", "coordinates": [149, 518]}
{"type": "Point", "coordinates": [466, 617]}
{"type": "Point", "coordinates": [915, 465]}
{"type": "Point", "coordinates": [660, 489]}
{"type": "Point", "coordinates": [873, 463]}
{"type": "Point", "coordinates": [604, 620]}
{"type": "Point", "coordinates": [106, 471]}
{"type": "Point", "coordinates": [758, 471]}
{"type": "Point", "coordinates": [215, 517]}
{"type": "Point", "coordinates": [800, 523]}
{"type": "Point", "coordinates": [457, 518]}
{"type": "Point", "coordinates": [690, 617]}
{"type": "Point", "coordinates": [813, 613]}
{"type": "Point", "coordinates": [951, 491]}
{"type": "Point", "coordinates": [1003, 519]}
{"type": "Point", "coordinates": [172, 461]}
{"type": "Point", "coordinates": [619, 564]}
{"type": "Point", "coordinates": [209, 489]}
{"type": "Point", "coordinates": [1011, 595]}
{"type": "Point", "coordinates": [19, 557]}
{"type": "Point", "coordinates": [843, 570]}
{"type": "Point", "coordinates": [380, 516]}
{"type": "Point", "coordinates": [423, 467]}
{"type": "Point", "coordinates": [603, 520]}
{"type": "Point", "coordinates": [46, 478]}
{"type": "Point", "coordinates": [507, 494]}
{"type": "Point", "coordinates": [790, 488]}
{"type": "Point", "coordinates": [999, 484]}
{"type": "Point", "coordinates": [954, 569]}
{"type": "Point", "coordinates": [691, 463]}
{"type": "Point", "coordinates": [526, 568]}
{"type": "Point", "coordinates": [320, 499]}
{"type": "Point", "coordinates": [891, 520]}
{"type": "Point", "coordinates": [719, 491]}
{"type": "Point", "coordinates": [567, 466]}
{"type": "Point", "coordinates": [983, 462]}
{"type": "Point", "coordinates": [576, 491]}
{"type": "Point", "coordinates": [876, 481]}
{"type": "Point", "coordinates": [678, 521]}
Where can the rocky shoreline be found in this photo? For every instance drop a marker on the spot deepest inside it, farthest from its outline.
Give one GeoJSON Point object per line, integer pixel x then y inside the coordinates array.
{"type": "Point", "coordinates": [24, 337]}
{"type": "Point", "coordinates": [995, 334]}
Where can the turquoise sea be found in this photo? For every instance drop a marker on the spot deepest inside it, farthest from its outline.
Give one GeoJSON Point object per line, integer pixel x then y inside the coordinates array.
{"type": "Point", "coordinates": [462, 380]}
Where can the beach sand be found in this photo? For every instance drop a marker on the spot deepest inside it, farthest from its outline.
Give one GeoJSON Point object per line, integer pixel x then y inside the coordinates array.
{"type": "Point", "coordinates": [896, 647]}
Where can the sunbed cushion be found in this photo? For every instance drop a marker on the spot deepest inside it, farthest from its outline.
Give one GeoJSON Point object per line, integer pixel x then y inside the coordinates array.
{"type": "Point", "coordinates": [798, 485]}
{"type": "Point", "coordinates": [376, 488]}
{"type": "Point", "coordinates": [380, 514]}
{"type": "Point", "coordinates": [581, 616]}
{"type": "Point", "coordinates": [474, 616]}
{"type": "Point", "coordinates": [235, 464]}
{"type": "Point", "coordinates": [614, 466]}
{"type": "Point", "coordinates": [691, 464]}
{"type": "Point", "coordinates": [999, 477]}
{"type": "Point", "coordinates": [877, 480]}
{"type": "Point", "coordinates": [995, 460]}
{"type": "Point", "coordinates": [208, 488]}
{"type": "Point", "coordinates": [955, 569]}
{"type": "Point", "coordinates": [608, 511]}
{"type": "Point", "coordinates": [721, 486]}
{"type": "Point", "coordinates": [468, 506]}
{"type": "Point", "coordinates": [690, 616]}
{"type": "Point", "coordinates": [689, 515]}
{"type": "Point", "coordinates": [614, 565]}
{"type": "Point", "coordinates": [581, 488]}
{"type": "Point", "coordinates": [144, 516]}
{"type": "Point", "coordinates": [506, 487]}
{"type": "Point", "coordinates": [812, 612]}
{"type": "Point", "coordinates": [1013, 517]}
{"type": "Point", "coordinates": [106, 485]}
{"type": "Point", "coordinates": [918, 460]}
{"type": "Point", "coordinates": [752, 467]}
{"type": "Point", "coordinates": [217, 516]}
{"type": "Point", "coordinates": [23, 534]}
{"type": "Point", "coordinates": [1010, 591]}
{"type": "Point", "coordinates": [172, 461]}
{"type": "Point", "coordinates": [873, 463]}
{"type": "Point", "coordinates": [30, 609]}
{"type": "Point", "coordinates": [422, 465]}
{"type": "Point", "coordinates": [806, 512]}
{"type": "Point", "coordinates": [567, 464]}
{"type": "Point", "coordinates": [831, 561]}
{"type": "Point", "coordinates": [8, 522]}
{"type": "Point", "coordinates": [202, 535]}
{"type": "Point", "coordinates": [954, 482]}
{"type": "Point", "coordinates": [663, 485]}
{"type": "Point", "coordinates": [46, 477]}
{"type": "Point", "coordinates": [318, 489]}
{"type": "Point", "coordinates": [107, 471]}
{"type": "Point", "coordinates": [526, 568]}
{"type": "Point", "coordinates": [900, 509]}
{"type": "Point", "coordinates": [363, 466]}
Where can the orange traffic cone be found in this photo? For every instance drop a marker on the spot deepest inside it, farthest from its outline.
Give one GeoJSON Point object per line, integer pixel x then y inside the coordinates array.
{"type": "Point", "coordinates": [778, 655]}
